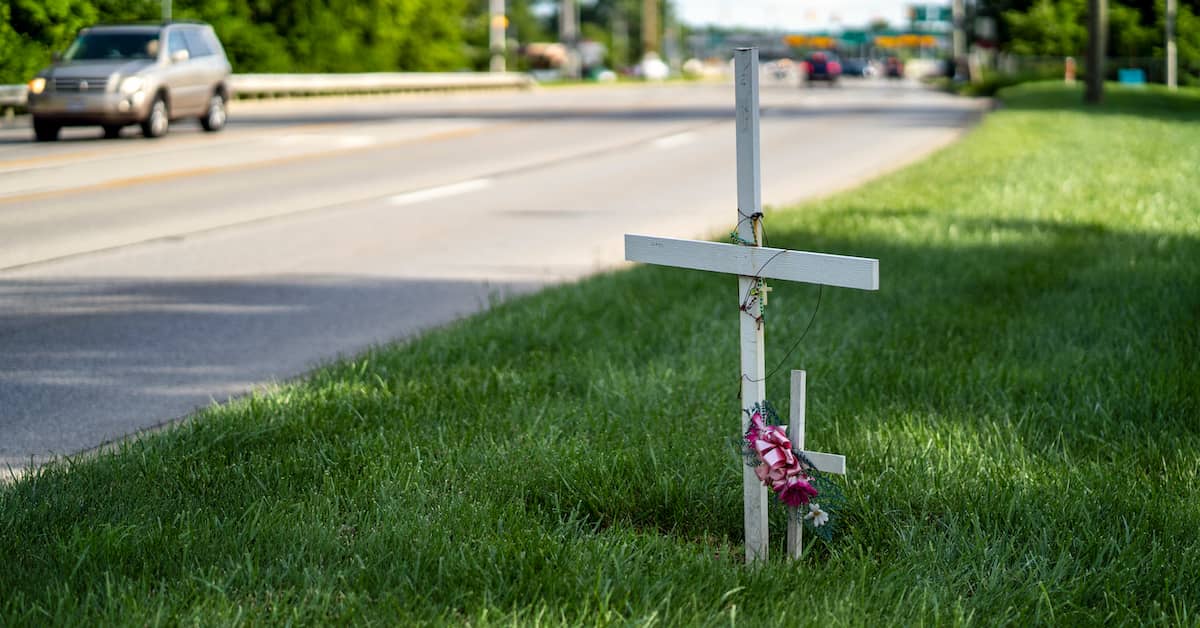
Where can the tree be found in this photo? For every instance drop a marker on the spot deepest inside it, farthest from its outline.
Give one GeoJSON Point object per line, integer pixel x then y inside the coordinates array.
{"type": "Point", "coordinates": [523, 25]}
{"type": "Point", "coordinates": [259, 35]}
{"type": "Point", "coordinates": [1048, 28]}
{"type": "Point", "coordinates": [1135, 30]}
{"type": "Point", "coordinates": [1097, 50]}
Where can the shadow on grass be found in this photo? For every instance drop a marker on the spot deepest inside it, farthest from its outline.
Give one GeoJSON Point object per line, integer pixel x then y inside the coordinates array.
{"type": "Point", "coordinates": [91, 360]}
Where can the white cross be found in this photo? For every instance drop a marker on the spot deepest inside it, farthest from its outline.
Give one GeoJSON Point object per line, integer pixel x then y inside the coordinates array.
{"type": "Point", "coordinates": [826, 463]}
{"type": "Point", "coordinates": [752, 262]}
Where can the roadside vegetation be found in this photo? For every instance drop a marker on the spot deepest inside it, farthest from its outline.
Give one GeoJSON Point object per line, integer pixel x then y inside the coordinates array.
{"type": "Point", "coordinates": [321, 35]}
{"type": "Point", "coordinates": [1018, 405]}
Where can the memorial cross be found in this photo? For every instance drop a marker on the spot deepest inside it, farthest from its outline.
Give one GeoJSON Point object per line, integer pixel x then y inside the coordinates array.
{"type": "Point", "coordinates": [753, 263]}
{"type": "Point", "coordinates": [825, 463]}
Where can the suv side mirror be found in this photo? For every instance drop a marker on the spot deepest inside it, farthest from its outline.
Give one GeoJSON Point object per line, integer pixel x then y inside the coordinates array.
{"type": "Point", "coordinates": [179, 56]}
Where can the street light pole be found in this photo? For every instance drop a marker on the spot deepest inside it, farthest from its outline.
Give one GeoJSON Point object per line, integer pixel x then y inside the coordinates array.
{"type": "Point", "coordinates": [496, 34]}
{"type": "Point", "coordinates": [568, 34]}
{"type": "Point", "coordinates": [166, 10]}
{"type": "Point", "coordinates": [959, 16]}
{"type": "Point", "coordinates": [1172, 58]}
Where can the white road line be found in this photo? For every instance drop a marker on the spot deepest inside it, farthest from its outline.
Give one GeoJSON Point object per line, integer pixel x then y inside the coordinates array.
{"type": "Point", "coordinates": [672, 141]}
{"type": "Point", "coordinates": [442, 191]}
{"type": "Point", "coordinates": [340, 141]}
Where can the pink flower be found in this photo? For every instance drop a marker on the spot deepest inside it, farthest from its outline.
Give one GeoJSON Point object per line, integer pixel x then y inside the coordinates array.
{"type": "Point", "coordinates": [796, 491]}
{"type": "Point", "coordinates": [756, 427]}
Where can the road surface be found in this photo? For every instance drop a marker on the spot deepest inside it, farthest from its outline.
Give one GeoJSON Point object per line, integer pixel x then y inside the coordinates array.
{"type": "Point", "coordinates": [140, 280]}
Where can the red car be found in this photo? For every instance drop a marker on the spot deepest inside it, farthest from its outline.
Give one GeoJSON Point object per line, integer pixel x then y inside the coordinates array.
{"type": "Point", "coordinates": [822, 66]}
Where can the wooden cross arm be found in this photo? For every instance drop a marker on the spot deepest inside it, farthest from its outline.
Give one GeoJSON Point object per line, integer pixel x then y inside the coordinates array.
{"type": "Point", "coordinates": [827, 463]}
{"type": "Point", "coordinates": [755, 261]}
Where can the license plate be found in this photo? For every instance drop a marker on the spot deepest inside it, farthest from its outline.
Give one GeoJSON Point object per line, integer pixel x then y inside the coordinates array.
{"type": "Point", "coordinates": [76, 105]}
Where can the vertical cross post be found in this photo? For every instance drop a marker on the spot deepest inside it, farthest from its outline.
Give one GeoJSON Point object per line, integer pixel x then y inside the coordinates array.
{"type": "Point", "coordinates": [795, 531]}
{"type": "Point", "coordinates": [753, 371]}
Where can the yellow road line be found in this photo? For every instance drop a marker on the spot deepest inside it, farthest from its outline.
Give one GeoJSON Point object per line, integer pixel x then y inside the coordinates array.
{"type": "Point", "coordinates": [49, 159]}
{"type": "Point", "coordinates": [207, 170]}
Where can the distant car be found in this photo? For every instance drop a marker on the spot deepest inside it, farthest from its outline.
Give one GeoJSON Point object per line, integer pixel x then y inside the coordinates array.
{"type": "Point", "coordinates": [893, 67]}
{"type": "Point", "coordinates": [150, 75]}
{"type": "Point", "coordinates": [822, 66]}
{"type": "Point", "coordinates": [857, 67]}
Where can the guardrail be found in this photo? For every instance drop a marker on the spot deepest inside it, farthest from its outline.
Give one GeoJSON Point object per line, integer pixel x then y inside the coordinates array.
{"type": "Point", "coordinates": [12, 95]}
{"type": "Point", "coordinates": [271, 85]}
{"type": "Point", "coordinates": [285, 85]}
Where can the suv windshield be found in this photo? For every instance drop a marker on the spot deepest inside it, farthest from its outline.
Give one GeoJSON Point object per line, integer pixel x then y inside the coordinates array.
{"type": "Point", "coordinates": [100, 46]}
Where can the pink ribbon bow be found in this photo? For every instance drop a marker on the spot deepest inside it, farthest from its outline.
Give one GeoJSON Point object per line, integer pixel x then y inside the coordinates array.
{"type": "Point", "coordinates": [780, 469]}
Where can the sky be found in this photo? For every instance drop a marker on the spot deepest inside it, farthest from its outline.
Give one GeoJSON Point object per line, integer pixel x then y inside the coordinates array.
{"type": "Point", "coordinates": [793, 14]}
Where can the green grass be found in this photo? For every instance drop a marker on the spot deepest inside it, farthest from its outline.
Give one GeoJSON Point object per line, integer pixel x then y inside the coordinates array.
{"type": "Point", "coordinates": [1020, 405]}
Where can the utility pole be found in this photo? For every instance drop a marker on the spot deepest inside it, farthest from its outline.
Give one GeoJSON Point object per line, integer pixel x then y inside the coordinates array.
{"type": "Point", "coordinates": [1172, 58]}
{"type": "Point", "coordinates": [649, 27]}
{"type": "Point", "coordinates": [670, 44]}
{"type": "Point", "coordinates": [620, 38]}
{"type": "Point", "coordinates": [1097, 48]}
{"type": "Point", "coordinates": [959, 15]}
{"type": "Point", "coordinates": [496, 34]}
{"type": "Point", "coordinates": [568, 35]}
{"type": "Point", "coordinates": [166, 10]}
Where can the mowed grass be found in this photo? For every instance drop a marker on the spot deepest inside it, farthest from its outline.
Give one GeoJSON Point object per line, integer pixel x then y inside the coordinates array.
{"type": "Point", "coordinates": [1020, 405]}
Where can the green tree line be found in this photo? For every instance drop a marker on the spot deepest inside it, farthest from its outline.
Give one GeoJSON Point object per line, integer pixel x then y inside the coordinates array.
{"type": "Point", "coordinates": [323, 35]}
{"type": "Point", "coordinates": [259, 35]}
{"type": "Point", "coordinates": [1058, 28]}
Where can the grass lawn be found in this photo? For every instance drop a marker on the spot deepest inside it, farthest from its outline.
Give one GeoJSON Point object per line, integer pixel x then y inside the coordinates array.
{"type": "Point", "coordinates": [1020, 406]}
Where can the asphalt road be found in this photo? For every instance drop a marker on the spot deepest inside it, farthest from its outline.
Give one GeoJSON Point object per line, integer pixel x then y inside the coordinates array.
{"type": "Point", "coordinates": [140, 280]}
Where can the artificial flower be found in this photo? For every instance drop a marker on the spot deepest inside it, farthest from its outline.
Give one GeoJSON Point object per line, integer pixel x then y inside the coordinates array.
{"type": "Point", "coordinates": [796, 491]}
{"type": "Point", "coordinates": [756, 427]}
{"type": "Point", "coordinates": [816, 515]}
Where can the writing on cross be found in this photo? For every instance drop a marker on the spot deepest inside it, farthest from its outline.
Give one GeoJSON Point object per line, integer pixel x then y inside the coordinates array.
{"type": "Point", "coordinates": [752, 263]}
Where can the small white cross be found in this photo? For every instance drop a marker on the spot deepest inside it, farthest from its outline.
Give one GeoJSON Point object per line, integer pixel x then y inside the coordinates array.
{"type": "Point", "coordinates": [763, 291]}
{"type": "Point", "coordinates": [825, 463]}
{"type": "Point", "coordinates": [752, 263]}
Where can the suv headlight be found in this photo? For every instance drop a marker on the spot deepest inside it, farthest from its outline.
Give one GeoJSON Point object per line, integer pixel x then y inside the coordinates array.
{"type": "Point", "coordinates": [37, 85]}
{"type": "Point", "coordinates": [131, 85]}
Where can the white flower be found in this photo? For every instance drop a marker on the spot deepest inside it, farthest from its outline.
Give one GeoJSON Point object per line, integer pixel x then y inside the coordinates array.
{"type": "Point", "coordinates": [819, 517]}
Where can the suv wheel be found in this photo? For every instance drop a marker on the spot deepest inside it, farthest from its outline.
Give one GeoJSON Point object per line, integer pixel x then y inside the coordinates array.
{"type": "Point", "coordinates": [214, 120]}
{"type": "Point", "coordinates": [157, 121]}
{"type": "Point", "coordinates": [45, 131]}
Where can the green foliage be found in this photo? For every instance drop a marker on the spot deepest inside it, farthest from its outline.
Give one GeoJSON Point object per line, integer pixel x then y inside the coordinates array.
{"type": "Point", "coordinates": [1018, 404]}
{"type": "Point", "coordinates": [523, 26]}
{"type": "Point", "coordinates": [1058, 28]}
{"type": "Point", "coordinates": [1187, 27]}
{"type": "Point", "coordinates": [1128, 35]}
{"type": "Point", "coordinates": [1049, 27]}
{"type": "Point", "coordinates": [259, 35]}
{"type": "Point", "coordinates": [33, 29]}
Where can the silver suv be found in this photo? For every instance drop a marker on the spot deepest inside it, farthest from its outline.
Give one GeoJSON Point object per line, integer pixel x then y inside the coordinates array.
{"type": "Point", "coordinates": [115, 76]}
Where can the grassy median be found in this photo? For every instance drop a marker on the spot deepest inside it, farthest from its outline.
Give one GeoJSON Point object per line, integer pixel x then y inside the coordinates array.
{"type": "Point", "coordinates": [1020, 406]}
